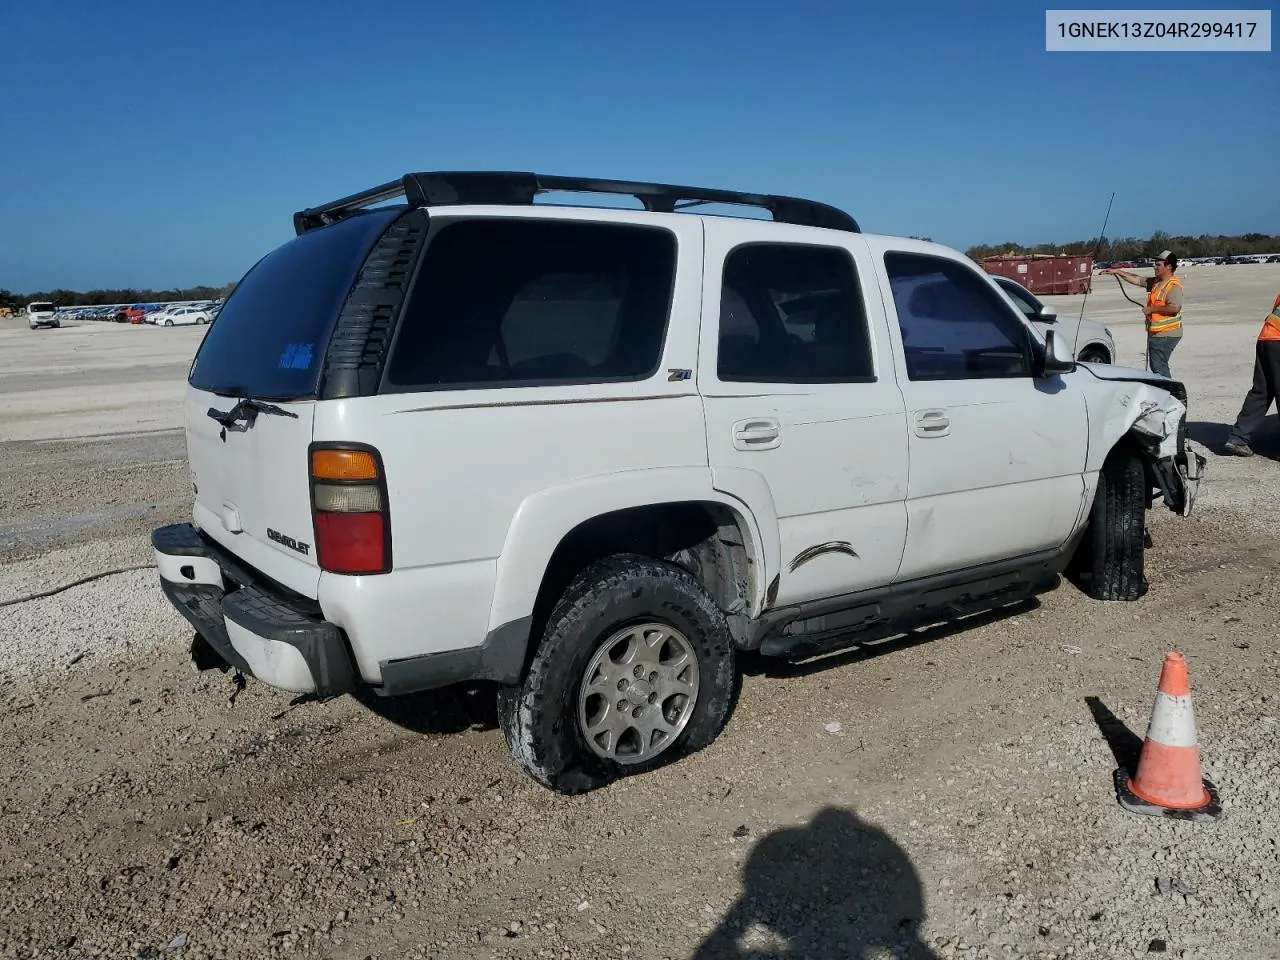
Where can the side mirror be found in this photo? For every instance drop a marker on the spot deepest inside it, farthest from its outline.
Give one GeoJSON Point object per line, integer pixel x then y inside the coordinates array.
{"type": "Point", "coordinates": [1047, 315]}
{"type": "Point", "coordinates": [1057, 355]}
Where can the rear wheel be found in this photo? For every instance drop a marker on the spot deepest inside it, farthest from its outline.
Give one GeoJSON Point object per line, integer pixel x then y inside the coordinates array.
{"type": "Point", "coordinates": [635, 669]}
{"type": "Point", "coordinates": [1116, 546]}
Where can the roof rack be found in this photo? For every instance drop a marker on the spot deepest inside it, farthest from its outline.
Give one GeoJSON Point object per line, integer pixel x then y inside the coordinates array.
{"type": "Point", "coordinates": [484, 187]}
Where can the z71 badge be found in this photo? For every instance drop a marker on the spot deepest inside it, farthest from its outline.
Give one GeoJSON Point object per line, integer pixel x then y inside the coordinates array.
{"type": "Point", "coordinates": [292, 544]}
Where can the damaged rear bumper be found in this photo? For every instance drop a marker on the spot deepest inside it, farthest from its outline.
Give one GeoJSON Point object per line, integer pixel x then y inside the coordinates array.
{"type": "Point", "coordinates": [244, 623]}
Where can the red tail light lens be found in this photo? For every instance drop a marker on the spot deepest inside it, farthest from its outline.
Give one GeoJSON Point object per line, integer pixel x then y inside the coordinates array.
{"type": "Point", "coordinates": [349, 509]}
{"type": "Point", "coordinates": [350, 542]}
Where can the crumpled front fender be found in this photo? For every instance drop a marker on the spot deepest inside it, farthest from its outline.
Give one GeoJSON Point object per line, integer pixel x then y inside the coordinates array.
{"type": "Point", "coordinates": [1152, 412]}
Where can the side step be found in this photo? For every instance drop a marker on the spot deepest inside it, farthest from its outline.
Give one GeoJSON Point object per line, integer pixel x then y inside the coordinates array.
{"type": "Point", "coordinates": [901, 612]}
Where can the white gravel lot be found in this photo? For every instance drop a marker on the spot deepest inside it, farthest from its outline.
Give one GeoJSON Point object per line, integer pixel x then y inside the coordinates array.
{"type": "Point", "coordinates": [963, 807]}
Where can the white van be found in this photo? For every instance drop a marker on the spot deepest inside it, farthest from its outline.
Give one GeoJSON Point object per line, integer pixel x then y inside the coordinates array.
{"type": "Point", "coordinates": [42, 315]}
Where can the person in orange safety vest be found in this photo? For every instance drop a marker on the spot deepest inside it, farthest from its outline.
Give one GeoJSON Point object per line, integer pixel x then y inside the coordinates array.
{"type": "Point", "coordinates": [1266, 386]}
{"type": "Point", "coordinates": [1163, 310]}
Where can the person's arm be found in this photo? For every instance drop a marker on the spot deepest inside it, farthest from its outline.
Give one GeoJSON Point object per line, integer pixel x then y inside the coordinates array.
{"type": "Point", "coordinates": [1133, 278]}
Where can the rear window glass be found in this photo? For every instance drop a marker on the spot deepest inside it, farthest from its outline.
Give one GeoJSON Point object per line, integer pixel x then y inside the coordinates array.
{"type": "Point", "coordinates": [508, 303]}
{"type": "Point", "coordinates": [272, 332]}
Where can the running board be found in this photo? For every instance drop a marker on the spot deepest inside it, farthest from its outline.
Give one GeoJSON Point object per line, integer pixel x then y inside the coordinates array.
{"type": "Point", "coordinates": [898, 610]}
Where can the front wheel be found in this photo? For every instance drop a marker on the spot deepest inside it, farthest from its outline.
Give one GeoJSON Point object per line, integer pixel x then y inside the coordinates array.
{"type": "Point", "coordinates": [1117, 541]}
{"type": "Point", "coordinates": [636, 668]}
{"type": "Point", "coordinates": [1094, 355]}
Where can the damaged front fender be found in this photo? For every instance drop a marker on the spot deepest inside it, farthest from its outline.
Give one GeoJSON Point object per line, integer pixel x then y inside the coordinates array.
{"type": "Point", "coordinates": [1152, 412]}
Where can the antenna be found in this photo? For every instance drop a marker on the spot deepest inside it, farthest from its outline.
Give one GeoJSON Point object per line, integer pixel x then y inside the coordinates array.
{"type": "Point", "coordinates": [1076, 340]}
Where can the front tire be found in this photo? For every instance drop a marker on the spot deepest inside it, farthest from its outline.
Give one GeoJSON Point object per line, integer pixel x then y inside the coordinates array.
{"type": "Point", "coordinates": [1117, 557]}
{"type": "Point", "coordinates": [1094, 355]}
{"type": "Point", "coordinates": [636, 668]}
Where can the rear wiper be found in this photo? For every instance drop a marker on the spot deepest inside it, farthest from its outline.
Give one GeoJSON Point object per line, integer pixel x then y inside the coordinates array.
{"type": "Point", "coordinates": [247, 410]}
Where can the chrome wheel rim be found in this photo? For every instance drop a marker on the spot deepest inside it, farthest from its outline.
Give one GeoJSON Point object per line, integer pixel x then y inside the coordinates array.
{"type": "Point", "coordinates": [638, 692]}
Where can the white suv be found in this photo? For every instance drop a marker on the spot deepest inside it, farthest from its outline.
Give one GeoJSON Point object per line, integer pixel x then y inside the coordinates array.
{"type": "Point", "coordinates": [591, 454]}
{"type": "Point", "coordinates": [42, 315]}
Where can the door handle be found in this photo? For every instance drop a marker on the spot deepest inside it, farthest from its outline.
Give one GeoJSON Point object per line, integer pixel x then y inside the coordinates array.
{"type": "Point", "coordinates": [932, 423]}
{"type": "Point", "coordinates": [763, 434]}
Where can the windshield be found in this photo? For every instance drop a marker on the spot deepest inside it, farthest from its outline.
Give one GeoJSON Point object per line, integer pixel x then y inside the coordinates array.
{"type": "Point", "coordinates": [40, 308]}
{"type": "Point", "coordinates": [273, 330]}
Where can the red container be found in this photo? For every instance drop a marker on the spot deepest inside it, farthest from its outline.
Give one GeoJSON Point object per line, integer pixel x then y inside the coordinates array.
{"type": "Point", "coordinates": [1044, 273]}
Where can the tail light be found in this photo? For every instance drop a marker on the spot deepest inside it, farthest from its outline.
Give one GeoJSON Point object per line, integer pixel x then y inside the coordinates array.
{"type": "Point", "coordinates": [349, 509]}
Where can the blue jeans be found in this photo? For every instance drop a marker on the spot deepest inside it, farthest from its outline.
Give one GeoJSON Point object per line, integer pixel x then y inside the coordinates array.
{"type": "Point", "coordinates": [1159, 350]}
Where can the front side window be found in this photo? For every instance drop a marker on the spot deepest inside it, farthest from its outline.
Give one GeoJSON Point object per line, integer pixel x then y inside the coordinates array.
{"type": "Point", "coordinates": [792, 313]}
{"type": "Point", "coordinates": [506, 303]}
{"type": "Point", "coordinates": [953, 325]}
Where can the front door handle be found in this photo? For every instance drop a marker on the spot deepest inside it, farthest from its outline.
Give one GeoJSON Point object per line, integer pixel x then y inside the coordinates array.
{"type": "Point", "coordinates": [761, 434]}
{"type": "Point", "coordinates": [932, 423]}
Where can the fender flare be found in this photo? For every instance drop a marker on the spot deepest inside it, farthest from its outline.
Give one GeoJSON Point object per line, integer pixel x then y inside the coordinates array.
{"type": "Point", "coordinates": [544, 519]}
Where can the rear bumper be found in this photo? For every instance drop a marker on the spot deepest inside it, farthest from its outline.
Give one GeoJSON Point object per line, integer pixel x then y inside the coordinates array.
{"type": "Point", "coordinates": [282, 640]}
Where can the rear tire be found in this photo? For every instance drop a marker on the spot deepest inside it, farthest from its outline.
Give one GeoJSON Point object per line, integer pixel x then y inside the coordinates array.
{"type": "Point", "coordinates": [1117, 541]}
{"type": "Point", "coordinates": [547, 718]}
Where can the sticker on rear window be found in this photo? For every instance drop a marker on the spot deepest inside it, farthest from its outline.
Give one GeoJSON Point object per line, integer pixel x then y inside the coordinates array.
{"type": "Point", "coordinates": [297, 356]}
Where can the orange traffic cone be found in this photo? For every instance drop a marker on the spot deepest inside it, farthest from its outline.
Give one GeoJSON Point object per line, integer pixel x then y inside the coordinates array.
{"type": "Point", "coordinates": [1168, 782]}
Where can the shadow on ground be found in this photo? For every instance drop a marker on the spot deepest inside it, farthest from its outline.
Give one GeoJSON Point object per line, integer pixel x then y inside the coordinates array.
{"type": "Point", "coordinates": [447, 710]}
{"type": "Point", "coordinates": [835, 889]}
{"type": "Point", "coordinates": [1126, 746]}
{"type": "Point", "coordinates": [1266, 442]}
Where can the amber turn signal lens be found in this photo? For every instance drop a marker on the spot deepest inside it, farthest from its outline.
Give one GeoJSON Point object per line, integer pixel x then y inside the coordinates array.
{"type": "Point", "coordinates": [343, 465]}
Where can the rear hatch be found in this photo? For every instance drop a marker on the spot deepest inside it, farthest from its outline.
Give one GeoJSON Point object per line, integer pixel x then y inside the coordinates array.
{"type": "Point", "coordinates": [251, 398]}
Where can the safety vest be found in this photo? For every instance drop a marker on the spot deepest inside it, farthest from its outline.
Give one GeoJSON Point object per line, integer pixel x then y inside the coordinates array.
{"type": "Point", "coordinates": [1271, 326]}
{"type": "Point", "coordinates": [1163, 320]}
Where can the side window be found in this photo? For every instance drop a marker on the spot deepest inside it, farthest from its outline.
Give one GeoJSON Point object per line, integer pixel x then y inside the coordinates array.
{"type": "Point", "coordinates": [792, 313]}
{"type": "Point", "coordinates": [953, 325]}
{"type": "Point", "coordinates": [507, 302]}
{"type": "Point", "coordinates": [1017, 296]}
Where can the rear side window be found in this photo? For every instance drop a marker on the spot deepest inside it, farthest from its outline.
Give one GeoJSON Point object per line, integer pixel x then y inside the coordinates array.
{"type": "Point", "coordinates": [792, 313]}
{"type": "Point", "coordinates": [507, 303]}
{"type": "Point", "coordinates": [272, 332]}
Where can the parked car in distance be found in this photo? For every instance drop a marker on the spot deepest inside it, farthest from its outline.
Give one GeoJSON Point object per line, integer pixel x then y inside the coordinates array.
{"type": "Point", "coordinates": [1092, 341]}
{"type": "Point", "coordinates": [178, 315]}
{"type": "Point", "coordinates": [42, 315]}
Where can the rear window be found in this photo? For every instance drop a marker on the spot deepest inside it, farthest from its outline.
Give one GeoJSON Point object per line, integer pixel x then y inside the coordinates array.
{"type": "Point", "coordinates": [507, 303]}
{"type": "Point", "coordinates": [273, 330]}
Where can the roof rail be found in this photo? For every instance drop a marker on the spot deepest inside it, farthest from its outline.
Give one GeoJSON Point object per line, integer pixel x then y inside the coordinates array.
{"type": "Point", "coordinates": [485, 187]}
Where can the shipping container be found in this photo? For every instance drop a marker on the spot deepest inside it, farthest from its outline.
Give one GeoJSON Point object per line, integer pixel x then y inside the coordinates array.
{"type": "Point", "coordinates": [1044, 273]}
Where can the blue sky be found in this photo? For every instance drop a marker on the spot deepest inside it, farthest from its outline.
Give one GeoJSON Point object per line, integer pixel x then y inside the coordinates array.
{"type": "Point", "coordinates": [156, 144]}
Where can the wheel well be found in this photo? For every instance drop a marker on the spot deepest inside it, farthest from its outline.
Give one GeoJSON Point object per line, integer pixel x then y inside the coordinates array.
{"type": "Point", "coordinates": [707, 539]}
{"type": "Point", "coordinates": [1094, 348]}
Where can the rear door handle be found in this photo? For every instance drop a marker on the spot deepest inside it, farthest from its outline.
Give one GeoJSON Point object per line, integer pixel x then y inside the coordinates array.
{"type": "Point", "coordinates": [762, 434]}
{"type": "Point", "coordinates": [932, 423]}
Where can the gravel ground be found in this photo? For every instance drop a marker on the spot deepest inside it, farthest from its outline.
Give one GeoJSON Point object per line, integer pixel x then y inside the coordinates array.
{"type": "Point", "coordinates": [944, 795]}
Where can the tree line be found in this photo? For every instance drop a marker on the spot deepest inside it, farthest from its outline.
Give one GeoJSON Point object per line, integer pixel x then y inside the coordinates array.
{"type": "Point", "coordinates": [97, 298]}
{"type": "Point", "coordinates": [1133, 248]}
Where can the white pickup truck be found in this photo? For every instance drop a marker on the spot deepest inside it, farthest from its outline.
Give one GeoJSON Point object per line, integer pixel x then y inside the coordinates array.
{"type": "Point", "coordinates": [591, 454]}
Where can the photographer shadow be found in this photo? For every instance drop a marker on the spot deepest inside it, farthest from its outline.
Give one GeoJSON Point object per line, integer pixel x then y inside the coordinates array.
{"type": "Point", "coordinates": [835, 889]}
